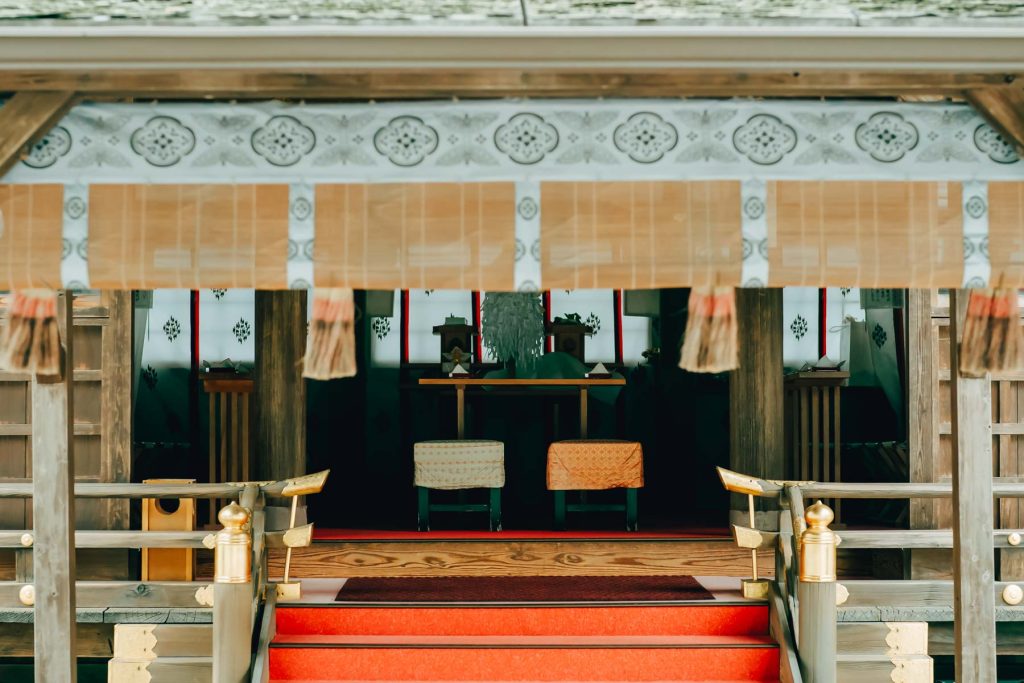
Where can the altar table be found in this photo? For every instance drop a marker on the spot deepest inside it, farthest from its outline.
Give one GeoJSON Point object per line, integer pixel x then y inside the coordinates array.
{"type": "Point", "coordinates": [583, 384]}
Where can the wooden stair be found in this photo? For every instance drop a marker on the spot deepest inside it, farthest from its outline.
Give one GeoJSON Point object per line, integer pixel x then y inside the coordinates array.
{"type": "Point", "coordinates": [693, 641]}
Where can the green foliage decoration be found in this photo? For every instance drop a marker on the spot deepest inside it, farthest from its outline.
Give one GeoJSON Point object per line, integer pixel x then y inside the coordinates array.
{"type": "Point", "coordinates": [513, 327]}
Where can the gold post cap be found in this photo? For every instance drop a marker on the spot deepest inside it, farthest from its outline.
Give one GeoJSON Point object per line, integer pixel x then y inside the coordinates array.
{"type": "Point", "coordinates": [819, 516]}
{"type": "Point", "coordinates": [233, 516]}
{"type": "Point", "coordinates": [232, 554]}
{"type": "Point", "coordinates": [818, 545]}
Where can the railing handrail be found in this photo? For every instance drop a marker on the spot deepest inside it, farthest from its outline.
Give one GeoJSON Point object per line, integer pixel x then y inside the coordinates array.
{"type": "Point", "coordinates": [771, 488]}
{"type": "Point", "coordinates": [295, 486]}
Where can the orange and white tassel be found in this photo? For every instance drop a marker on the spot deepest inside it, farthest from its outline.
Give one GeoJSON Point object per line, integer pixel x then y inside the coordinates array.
{"type": "Point", "coordinates": [331, 344]}
{"type": "Point", "coordinates": [711, 343]}
{"type": "Point", "coordinates": [30, 341]}
{"type": "Point", "coordinates": [992, 340]}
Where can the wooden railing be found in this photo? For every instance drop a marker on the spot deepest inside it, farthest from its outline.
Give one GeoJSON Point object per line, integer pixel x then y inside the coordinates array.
{"type": "Point", "coordinates": [241, 594]}
{"type": "Point", "coordinates": [805, 590]}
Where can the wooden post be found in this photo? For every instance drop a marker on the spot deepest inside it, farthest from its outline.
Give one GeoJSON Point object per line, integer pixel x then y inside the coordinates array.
{"type": "Point", "coordinates": [922, 382]}
{"type": "Point", "coordinates": [232, 597]}
{"type": "Point", "coordinates": [280, 401]}
{"type": "Point", "coordinates": [816, 596]}
{"type": "Point", "coordinates": [53, 514]}
{"type": "Point", "coordinates": [756, 427]}
{"type": "Point", "coordinates": [973, 555]}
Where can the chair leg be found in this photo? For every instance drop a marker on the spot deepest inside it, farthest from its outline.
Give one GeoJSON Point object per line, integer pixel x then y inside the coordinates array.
{"type": "Point", "coordinates": [423, 508]}
{"type": "Point", "coordinates": [495, 509]}
{"type": "Point", "coordinates": [559, 510]}
{"type": "Point", "coordinates": [631, 509]}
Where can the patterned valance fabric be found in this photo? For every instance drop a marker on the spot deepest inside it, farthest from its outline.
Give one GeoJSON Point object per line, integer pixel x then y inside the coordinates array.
{"type": "Point", "coordinates": [512, 140]}
{"type": "Point", "coordinates": [515, 195]}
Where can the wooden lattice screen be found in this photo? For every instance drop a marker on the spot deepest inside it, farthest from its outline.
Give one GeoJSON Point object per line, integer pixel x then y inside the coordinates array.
{"type": "Point", "coordinates": [102, 403]}
{"type": "Point", "coordinates": [930, 426]}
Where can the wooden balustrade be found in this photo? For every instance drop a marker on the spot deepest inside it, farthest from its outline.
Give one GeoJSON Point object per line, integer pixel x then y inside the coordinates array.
{"type": "Point", "coordinates": [230, 448]}
{"type": "Point", "coordinates": [814, 602]}
{"type": "Point", "coordinates": [812, 426]}
{"type": "Point", "coordinates": [238, 594]}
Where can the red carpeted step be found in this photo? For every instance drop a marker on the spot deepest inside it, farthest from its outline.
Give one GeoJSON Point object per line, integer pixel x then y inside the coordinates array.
{"type": "Point", "coordinates": [676, 620]}
{"type": "Point", "coordinates": [752, 660]}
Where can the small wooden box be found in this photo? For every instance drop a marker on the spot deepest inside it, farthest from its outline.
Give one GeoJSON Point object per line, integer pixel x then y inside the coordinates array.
{"type": "Point", "coordinates": [168, 514]}
{"type": "Point", "coordinates": [570, 338]}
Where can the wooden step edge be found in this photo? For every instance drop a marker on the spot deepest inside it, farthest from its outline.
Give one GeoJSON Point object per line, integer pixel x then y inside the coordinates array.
{"type": "Point", "coordinates": [153, 641]}
{"type": "Point", "coordinates": [507, 604]}
{"type": "Point", "coordinates": [160, 670]}
{"type": "Point", "coordinates": [882, 638]}
{"type": "Point", "coordinates": [871, 668]}
{"type": "Point", "coordinates": [500, 642]}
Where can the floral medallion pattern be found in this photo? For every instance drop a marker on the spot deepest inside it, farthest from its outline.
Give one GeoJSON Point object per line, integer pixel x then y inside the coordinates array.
{"type": "Point", "coordinates": [242, 330]}
{"type": "Point", "coordinates": [887, 136]}
{"type": "Point", "coordinates": [988, 140]}
{"type": "Point", "coordinates": [878, 335]}
{"type": "Point", "coordinates": [646, 137]}
{"type": "Point", "coordinates": [301, 209]}
{"type": "Point", "coordinates": [753, 208]}
{"type": "Point", "coordinates": [975, 207]}
{"type": "Point", "coordinates": [381, 328]}
{"type": "Point", "coordinates": [172, 328]}
{"type": "Point", "coordinates": [799, 327]}
{"type": "Point", "coordinates": [527, 208]}
{"type": "Point", "coordinates": [74, 208]}
{"type": "Point", "coordinates": [491, 141]}
{"type": "Point", "coordinates": [526, 138]}
{"type": "Point", "coordinates": [51, 147]}
{"type": "Point", "coordinates": [406, 140]}
{"type": "Point", "coordinates": [283, 140]}
{"type": "Point", "coordinates": [163, 141]}
{"type": "Point", "coordinates": [764, 139]}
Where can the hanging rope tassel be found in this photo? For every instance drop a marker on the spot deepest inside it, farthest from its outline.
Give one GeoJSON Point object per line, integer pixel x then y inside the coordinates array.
{"type": "Point", "coordinates": [30, 342]}
{"type": "Point", "coordinates": [331, 345]}
{"type": "Point", "coordinates": [993, 340]}
{"type": "Point", "coordinates": [710, 343]}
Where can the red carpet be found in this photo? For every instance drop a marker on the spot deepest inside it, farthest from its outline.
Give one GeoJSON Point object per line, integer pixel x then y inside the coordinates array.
{"type": "Point", "coordinates": [524, 589]}
{"type": "Point", "coordinates": [565, 643]}
{"type": "Point", "coordinates": [679, 533]}
{"type": "Point", "coordinates": [708, 618]}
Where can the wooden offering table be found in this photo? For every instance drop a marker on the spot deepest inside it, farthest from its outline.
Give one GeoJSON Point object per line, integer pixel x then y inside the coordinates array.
{"type": "Point", "coordinates": [583, 384]}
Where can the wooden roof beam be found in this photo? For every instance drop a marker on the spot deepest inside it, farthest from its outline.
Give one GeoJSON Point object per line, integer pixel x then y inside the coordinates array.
{"type": "Point", "coordinates": [348, 83]}
{"type": "Point", "coordinates": [1004, 109]}
{"type": "Point", "coordinates": [27, 117]}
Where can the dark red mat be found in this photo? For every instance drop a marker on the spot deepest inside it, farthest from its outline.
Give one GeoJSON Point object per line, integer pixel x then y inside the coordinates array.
{"type": "Point", "coordinates": [524, 589]}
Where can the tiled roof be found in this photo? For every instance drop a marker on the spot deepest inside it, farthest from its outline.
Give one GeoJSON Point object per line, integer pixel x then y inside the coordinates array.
{"type": "Point", "coordinates": [509, 12]}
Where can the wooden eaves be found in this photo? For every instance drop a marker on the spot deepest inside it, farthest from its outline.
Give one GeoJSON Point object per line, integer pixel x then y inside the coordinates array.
{"type": "Point", "coordinates": [48, 67]}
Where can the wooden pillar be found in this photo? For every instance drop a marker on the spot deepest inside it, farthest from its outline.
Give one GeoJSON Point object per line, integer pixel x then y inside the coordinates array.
{"type": "Point", "coordinates": [922, 427]}
{"type": "Point", "coordinates": [973, 555]}
{"type": "Point", "coordinates": [53, 514]}
{"type": "Point", "coordinates": [116, 419]}
{"type": "Point", "coordinates": [280, 400]}
{"type": "Point", "coordinates": [756, 427]}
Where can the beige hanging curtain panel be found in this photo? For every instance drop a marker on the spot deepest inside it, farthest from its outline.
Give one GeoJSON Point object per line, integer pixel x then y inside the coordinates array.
{"type": "Point", "coordinates": [423, 236]}
{"type": "Point", "coordinates": [507, 235]}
